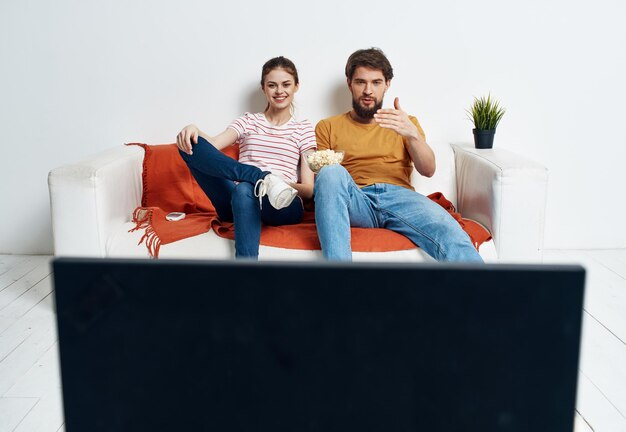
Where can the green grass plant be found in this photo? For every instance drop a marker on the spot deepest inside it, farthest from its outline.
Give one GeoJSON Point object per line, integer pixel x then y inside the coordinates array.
{"type": "Point", "coordinates": [485, 113]}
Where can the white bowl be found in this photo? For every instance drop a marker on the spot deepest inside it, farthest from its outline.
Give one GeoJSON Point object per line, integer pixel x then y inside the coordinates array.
{"type": "Point", "coordinates": [320, 158]}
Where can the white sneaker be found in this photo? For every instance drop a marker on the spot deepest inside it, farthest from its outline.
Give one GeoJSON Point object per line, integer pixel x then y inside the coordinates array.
{"type": "Point", "coordinates": [279, 193]}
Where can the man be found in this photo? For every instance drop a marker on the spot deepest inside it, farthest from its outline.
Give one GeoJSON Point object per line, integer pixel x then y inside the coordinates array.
{"type": "Point", "coordinates": [372, 187]}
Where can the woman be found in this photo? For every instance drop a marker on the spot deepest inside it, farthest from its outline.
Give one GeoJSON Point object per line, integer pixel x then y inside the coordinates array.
{"type": "Point", "coordinates": [262, 187]}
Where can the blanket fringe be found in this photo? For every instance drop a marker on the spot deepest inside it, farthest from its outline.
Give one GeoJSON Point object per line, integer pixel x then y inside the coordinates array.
{"type": "Point", "coordinates": [142, 217]}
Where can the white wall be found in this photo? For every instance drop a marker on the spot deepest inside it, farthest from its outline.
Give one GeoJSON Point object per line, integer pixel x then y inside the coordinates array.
{"type": "Point", "coordinates": [77, 77]}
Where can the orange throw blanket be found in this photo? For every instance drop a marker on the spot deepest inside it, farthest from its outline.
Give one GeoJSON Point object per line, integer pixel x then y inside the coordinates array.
{"type": "Point", "coordinates": [169, 186]}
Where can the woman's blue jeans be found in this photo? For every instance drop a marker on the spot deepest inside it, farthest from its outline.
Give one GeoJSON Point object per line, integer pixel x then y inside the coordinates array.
{"type": "Point", "coordinates": [340, 204]}
{"type": "Point", "coordinates": [230, 187]}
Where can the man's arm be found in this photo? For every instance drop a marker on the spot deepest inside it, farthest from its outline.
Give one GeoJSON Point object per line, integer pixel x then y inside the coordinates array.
{"type": "Point", "coordinates": [322, 135]}
{"type": "Point", "coordinates": [420, 152]}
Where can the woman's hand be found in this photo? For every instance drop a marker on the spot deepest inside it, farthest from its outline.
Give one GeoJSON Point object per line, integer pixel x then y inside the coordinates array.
{"type": "Point", "coordinates": [305, 187]}
{"type": "Point", "coordinates": [187, 137]}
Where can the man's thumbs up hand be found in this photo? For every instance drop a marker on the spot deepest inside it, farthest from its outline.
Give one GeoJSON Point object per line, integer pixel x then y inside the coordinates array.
{"type": "Point", "coordinates": [397, 120]}
{"type": "Point", "coordinates": [396, 103]}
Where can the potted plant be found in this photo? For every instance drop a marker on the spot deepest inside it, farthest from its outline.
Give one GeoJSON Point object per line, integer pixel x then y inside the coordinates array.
{"type": "Point", "coordinates": [485, 113]}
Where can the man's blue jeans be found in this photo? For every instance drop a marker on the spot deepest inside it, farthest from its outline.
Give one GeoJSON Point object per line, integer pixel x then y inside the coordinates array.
{"type": "Point", "coordinates": [217, 175]}
{"type": "Point", "coordinates": [340, 204]}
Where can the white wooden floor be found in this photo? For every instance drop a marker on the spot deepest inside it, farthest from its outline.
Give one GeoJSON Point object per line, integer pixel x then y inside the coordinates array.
{"type": "Point", "coordinates": [30, 389]}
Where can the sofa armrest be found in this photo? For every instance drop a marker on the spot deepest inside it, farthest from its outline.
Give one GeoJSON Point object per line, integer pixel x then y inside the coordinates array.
{"type": "Point", "coordinates": [506, 193]}
{"type": "Point", "coordinates": [90, 198]}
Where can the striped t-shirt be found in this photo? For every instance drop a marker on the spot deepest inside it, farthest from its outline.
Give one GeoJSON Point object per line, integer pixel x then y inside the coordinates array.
{"type": "Point", "coordinates": [273, 148]}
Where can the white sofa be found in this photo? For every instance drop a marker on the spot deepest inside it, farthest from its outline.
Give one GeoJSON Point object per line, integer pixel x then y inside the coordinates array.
{"type": "Point", "coordinates": [92, 202]}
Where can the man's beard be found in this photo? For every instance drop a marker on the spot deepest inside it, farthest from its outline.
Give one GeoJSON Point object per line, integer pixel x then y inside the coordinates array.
{"type": "Point", "coordinates": [365, 113]}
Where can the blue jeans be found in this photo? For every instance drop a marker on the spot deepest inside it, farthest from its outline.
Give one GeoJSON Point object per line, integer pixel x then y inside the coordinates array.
{"type": "Point", "coordinates": [217, 175]}
{"type": "Point", "coordinates": [340, 204]}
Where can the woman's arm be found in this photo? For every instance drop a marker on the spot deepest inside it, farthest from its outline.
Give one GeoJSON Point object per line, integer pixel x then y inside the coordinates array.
{"type": "Point", "coordinates": [305, 187]}
{"type": "Point", "coordinates": [189, 135]}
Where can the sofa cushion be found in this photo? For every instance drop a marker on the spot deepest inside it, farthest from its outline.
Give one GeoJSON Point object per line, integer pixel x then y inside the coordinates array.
{"type": "Point", "coordinates": [122, 244]}
{"type": "Point", "coordinates": [444, 179]}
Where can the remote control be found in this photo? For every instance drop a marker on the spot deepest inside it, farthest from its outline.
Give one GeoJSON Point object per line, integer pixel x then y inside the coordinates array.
{"type": "Point", "coordinates": [175, 216]}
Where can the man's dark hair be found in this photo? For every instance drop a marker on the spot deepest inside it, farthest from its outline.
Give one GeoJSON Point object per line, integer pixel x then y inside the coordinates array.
{"type": "Point", "coordinates": [373, 58]}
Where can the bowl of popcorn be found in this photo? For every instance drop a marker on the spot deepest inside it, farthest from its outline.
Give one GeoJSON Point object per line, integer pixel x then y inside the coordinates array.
{"type": "Point", "coordinates": [321, 158]}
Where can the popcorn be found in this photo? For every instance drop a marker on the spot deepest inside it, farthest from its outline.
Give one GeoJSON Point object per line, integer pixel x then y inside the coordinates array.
{"type": "Point", "coordinates": [321, 158]}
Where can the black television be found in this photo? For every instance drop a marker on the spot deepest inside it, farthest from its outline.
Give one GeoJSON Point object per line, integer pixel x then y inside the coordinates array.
{"type": "Point", "coordinates": [151, 345]}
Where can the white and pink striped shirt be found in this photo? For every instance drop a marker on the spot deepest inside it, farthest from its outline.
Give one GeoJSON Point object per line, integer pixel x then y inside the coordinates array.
{"type": "Point", "coordinates": [273, 148]}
